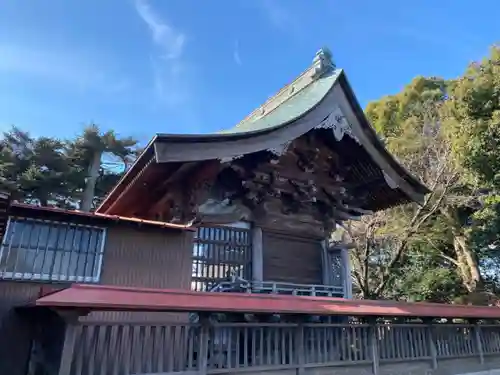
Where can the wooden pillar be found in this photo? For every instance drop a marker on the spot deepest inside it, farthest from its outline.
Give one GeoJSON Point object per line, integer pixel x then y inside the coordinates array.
{"type": "Point", "coordinates": [326, 266]}
{"type": "Point", "coordinates": [257, 255]}
{"type": "Point", "coordinates": [346, 262]}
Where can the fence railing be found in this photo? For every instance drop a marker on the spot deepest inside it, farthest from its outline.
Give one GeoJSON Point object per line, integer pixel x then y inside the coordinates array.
{"type": "Point", "coordinates": [158, 348]}
{"type": "Point", "coordinates": [273, 287]}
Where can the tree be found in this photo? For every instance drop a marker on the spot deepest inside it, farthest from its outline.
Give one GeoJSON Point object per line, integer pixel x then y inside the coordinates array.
{"type": "Point", "coordinates": [48, 171]}
{"type": "Point", "coordinates": [33, 169]}
{"type": "Point", "coordinates": [420, 273]}
{"type": "Point", "coordinates": [385, 243]}
{"type": "Point", "coordinates": [420, 252]}
{"type": "Point", "coordinates": [475, 125]}
{"type": "Point", "coordinates": [87, 152]}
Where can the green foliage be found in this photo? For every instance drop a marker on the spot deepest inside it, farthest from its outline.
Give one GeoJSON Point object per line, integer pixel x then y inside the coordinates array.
{"type": "Point", "coordinates": [87, 152]}
{"type": "Point", "coordinates": [389, 114]}
{"type": "Point", "coordinates": [48, 171]}
{"type": "Point", "coordinates": [448, 133]}
{"type": "Point", "coordinates": [92, 140]}
{"type": "Point", "coordinates": [485, 224]}
{"type": "Point", "coordinates": [426, 280]}
{"type": "Point", "coordinates": [474, 120]}
{"type": "Point", "coordinates": [33, 168]}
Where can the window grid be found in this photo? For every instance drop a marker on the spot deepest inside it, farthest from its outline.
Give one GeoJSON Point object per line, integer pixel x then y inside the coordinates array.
{"type": "Point", "coordinates": [218, 253]}
{"type": "Point", "coordinates": [45, 250]}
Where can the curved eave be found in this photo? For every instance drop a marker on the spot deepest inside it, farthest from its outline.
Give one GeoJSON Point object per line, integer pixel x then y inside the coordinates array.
{"type": "Point", "coordinates": [236, 143]}
{"type": "Point", "coordinates": [295, 116]}
{"type": "Point", "coordinates": [372, 135]}
{"type": "Point", "coordinates": [296, 106]}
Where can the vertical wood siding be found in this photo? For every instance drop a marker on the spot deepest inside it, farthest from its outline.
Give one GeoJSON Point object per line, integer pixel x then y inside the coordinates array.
{"type": "Point", "coordinates": [291, 259]}
{"type": "Point", "coordinates": [149, 259]}
{"type": "Point", "coordinates": [140, 257]}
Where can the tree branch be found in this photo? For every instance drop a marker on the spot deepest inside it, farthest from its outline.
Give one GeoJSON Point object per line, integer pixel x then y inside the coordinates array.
{"type": "Point", "coordinates": [450, 259]}
{"type": "Point", "coordinates": [414, 227]}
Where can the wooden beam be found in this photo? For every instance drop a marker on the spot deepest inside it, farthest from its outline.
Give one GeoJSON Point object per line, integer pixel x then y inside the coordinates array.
{"type": "Point", "coordinates": [187, 189]}
{"type": "Point", "coordinates": [174, 177]}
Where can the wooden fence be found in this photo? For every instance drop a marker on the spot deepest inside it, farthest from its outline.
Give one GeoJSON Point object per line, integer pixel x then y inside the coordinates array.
{"type": "Point", "coordinates": [109, 349]}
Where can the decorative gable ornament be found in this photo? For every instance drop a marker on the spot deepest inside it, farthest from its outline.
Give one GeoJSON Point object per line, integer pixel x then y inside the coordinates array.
{"type": "Point", "coordinates": [323, 63]}
{"type": "Point", "coordinates": [339, 125]}
{"type": "Point", "coordinates": [281, 149]}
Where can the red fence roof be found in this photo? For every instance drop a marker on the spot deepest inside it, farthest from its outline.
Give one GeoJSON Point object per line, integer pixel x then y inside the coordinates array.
{"type": "Point", "coordinates": [94, 297]}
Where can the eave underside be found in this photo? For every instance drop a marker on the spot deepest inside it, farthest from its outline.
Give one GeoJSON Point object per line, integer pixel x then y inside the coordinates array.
{"type": "Point", "coordinates": [315, 160]}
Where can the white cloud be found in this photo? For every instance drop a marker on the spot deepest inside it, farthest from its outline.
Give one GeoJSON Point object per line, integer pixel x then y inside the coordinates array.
{"type": "Point", "coordinates": [236, 53]}
{"type": "Point", "coordinates": [279, 15]}
{"type": "Point", "coordinates": [170, 71]}
{"type": "Point", "coordinates": [164, 35]}
{"type": "Point", "coordinates": [171, 83]}
{"type": "Point", "coordinates": [71, 68]}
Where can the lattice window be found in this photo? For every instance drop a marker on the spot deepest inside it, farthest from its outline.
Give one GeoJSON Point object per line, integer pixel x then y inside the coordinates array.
{"type": "Point", "coordinates": [220, 252]}
{"type": "Point", "coordinates": [337, 270]}
{"type": "Point", "coordinates": [52, 251]}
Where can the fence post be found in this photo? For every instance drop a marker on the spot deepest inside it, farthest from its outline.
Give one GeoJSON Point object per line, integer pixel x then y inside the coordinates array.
{"type": "Point", "coordinates": [300, 348]}
{"type": "Point", "coordinates": [373, 334]}
{"type": "Point", "coordinates": [431, 343]}
{"type": "Point", "coordinates": [70, 332]}
{"type": "Point", "coordinates": [479, 344]}
{"type": "Point", "coordinates": [203, 344]}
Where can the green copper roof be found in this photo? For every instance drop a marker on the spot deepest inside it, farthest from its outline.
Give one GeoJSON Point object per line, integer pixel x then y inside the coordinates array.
{"type": "Point", "coordinates": [295, 105]}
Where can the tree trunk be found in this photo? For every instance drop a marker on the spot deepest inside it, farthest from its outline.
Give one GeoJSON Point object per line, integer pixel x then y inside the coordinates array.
{"type": "Point", "coordinates": [468, 264]}
{"type": "Point", "coordinates": [90, 183]}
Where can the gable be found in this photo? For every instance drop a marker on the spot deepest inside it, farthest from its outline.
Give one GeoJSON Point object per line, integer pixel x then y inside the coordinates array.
{"type": "Point", "coordinates": [187, 167]}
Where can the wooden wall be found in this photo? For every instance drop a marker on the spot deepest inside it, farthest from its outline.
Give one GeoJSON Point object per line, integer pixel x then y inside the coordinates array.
{"type": "Point", "coordinates": [142, 257]}
{"type": "Point", "coordinates": [148, 259]}
{"type": "Point", "coordinates": [292, 259]}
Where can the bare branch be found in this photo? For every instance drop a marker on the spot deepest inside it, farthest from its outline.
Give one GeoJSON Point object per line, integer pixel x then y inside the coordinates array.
{"type": "Point", "coordinates": [449, 259]}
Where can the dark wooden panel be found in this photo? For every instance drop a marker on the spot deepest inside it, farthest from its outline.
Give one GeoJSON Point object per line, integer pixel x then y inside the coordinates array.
{"type": "Point", "coordinates": [15, 332]}
{"type": "Point", "coordinates": [291, 259]}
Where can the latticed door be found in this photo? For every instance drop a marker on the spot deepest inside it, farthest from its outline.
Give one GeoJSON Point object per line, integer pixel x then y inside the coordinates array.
{"type": "Point", "coordinates": [220, 252]}
{"type": "Point", "coordinates": [336, 269]}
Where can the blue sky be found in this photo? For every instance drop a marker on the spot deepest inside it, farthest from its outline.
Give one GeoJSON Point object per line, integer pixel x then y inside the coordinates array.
{"type": "Point", "coordinates": [196, 66]}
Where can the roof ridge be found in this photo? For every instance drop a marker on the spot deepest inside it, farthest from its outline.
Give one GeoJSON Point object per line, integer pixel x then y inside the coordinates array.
{"type": "Point", "coordinates": [321, 64]}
